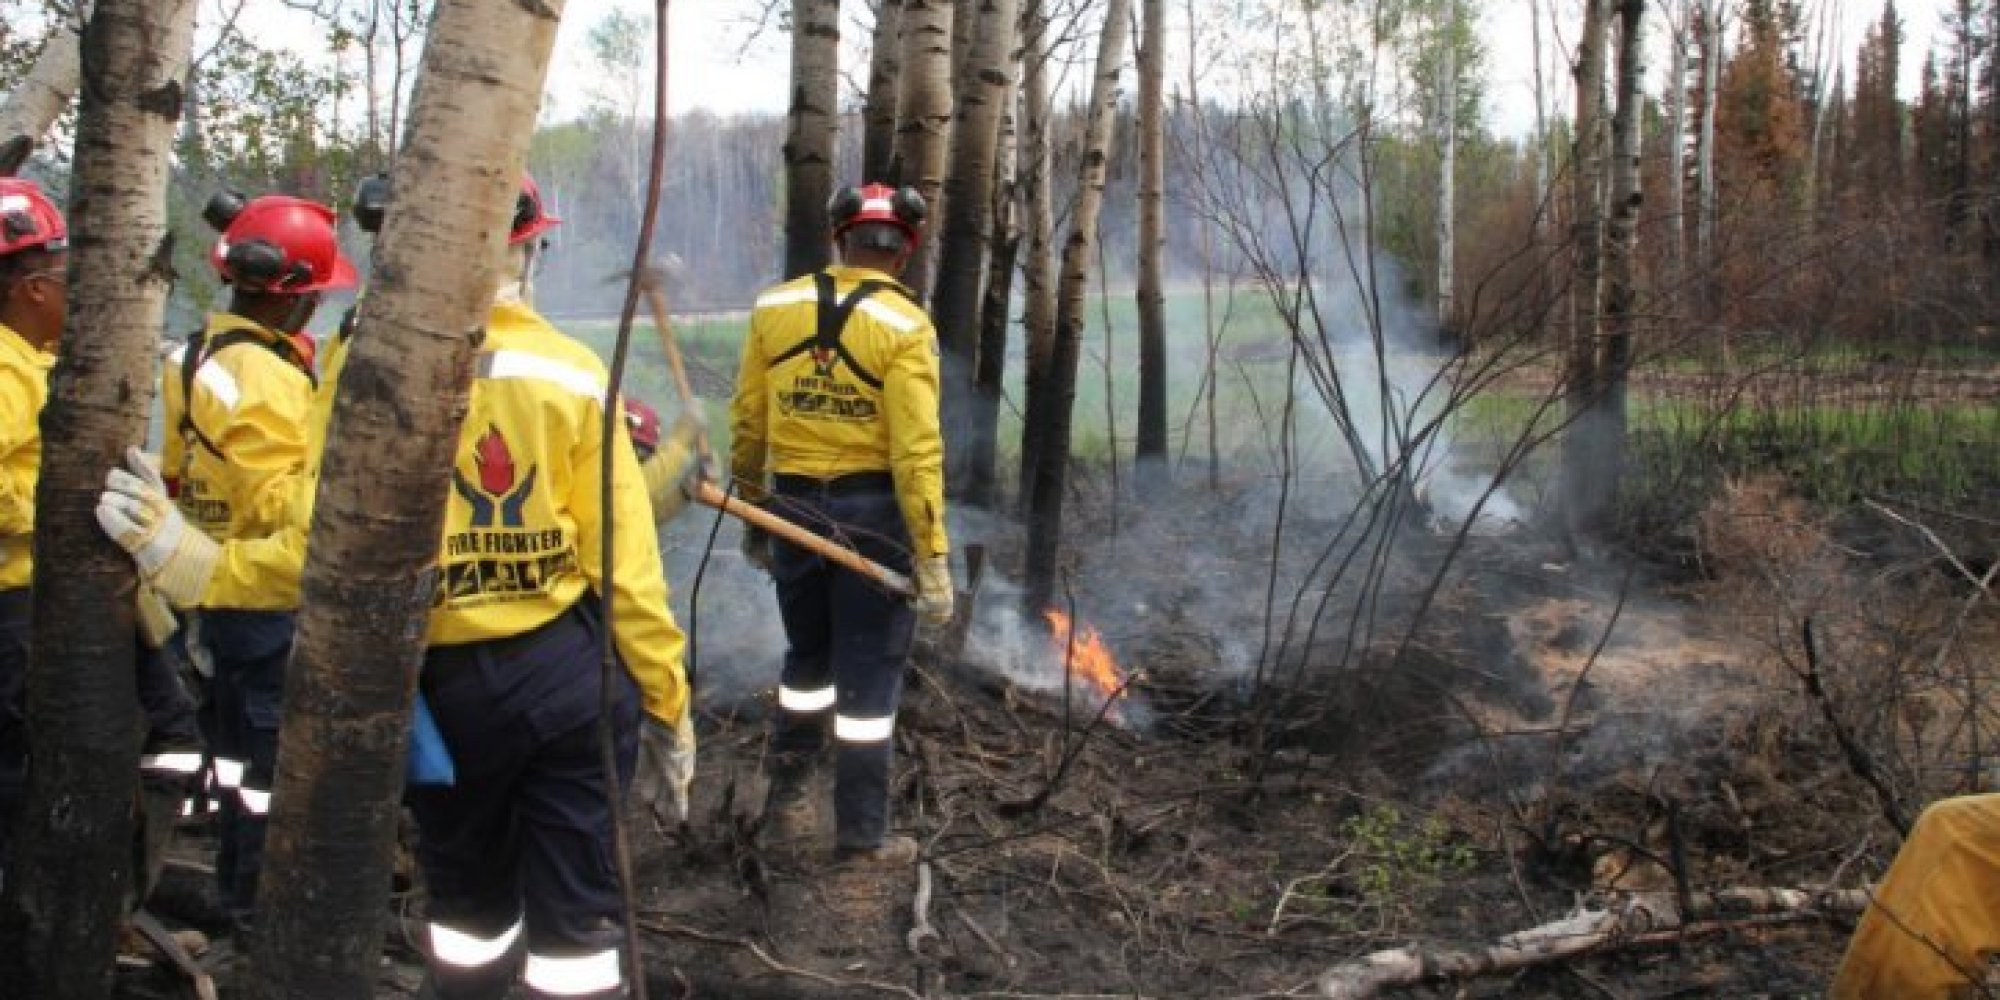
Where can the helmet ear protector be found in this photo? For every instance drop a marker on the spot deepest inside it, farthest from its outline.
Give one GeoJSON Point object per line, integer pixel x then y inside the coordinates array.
{"type": "Point", "coordinates": [902, 208]}
{"type": "Point", "coordinates": [371, 202]}
{"type": "Point", "coordinates": [259, 265]}
{"type": "Point", "coordinates": [222, 209]}
{"type": "Point", "coordinates": [909, 206]}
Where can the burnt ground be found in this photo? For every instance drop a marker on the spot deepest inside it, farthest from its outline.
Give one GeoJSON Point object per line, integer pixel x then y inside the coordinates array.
{"type": "Point", "coordinates": [1519, 752]}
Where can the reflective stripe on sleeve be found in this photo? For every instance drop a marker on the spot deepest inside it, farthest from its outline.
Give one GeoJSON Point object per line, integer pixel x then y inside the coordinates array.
{"type": "Point", "coordinates": [796, 700]}
{"type": "Point", "coordinates": [849, 729]}
{"type": "Point", "coordinates": [181, 762]}
{"type": "Point", "coordinates": [454, 947]}
{"type": "Point", "coordinates": [573, 976]}
{"type": "Point", "coordinates": [521, 364]}
{"type": "Point", "coordinates": [220, 383]}
{"type": "Point", "coordinates": [884, 313]}
{"type": "Point", "coordinates": [788, 297]}
{"type": "Point", "coordinates": [255, 801]}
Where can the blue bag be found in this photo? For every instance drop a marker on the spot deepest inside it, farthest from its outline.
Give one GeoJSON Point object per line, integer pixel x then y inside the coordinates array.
{"type": "Point", "coordinates": [430, 760]}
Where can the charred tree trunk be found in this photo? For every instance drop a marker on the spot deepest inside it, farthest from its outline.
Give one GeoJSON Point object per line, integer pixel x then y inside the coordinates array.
{"type": "Point", "coordinates": [923, 118]}
{"type": "Point", "coordinates": [72, 864]}
{"type": "Point", "coordinates": [1045, 505]}
{"type": "Point", "coordinates": [809, 136]}
{"type": "Point", "coordinates": [885, 61]}
{"type": "Point", "coordinates": [995, 317]}
{"type": "Point", "coordinates": [39, 97]}
{"type": "Point", "coordinates": [381, 501]}
{"type": "Point", "coordinates": [1038, 278]}
{"type": "Point", "coordinates": [1580, 496]}
{"type": "Point", "coordinates": [1149, 452]}
{"type": "Point", "coordinates": [968, 221]}
{"type": "Point", "coordinates": [1605, 429]}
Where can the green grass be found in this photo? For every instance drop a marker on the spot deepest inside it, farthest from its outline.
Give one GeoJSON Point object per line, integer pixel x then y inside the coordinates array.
{"type": "Point", "coordinates": [1833, 450]}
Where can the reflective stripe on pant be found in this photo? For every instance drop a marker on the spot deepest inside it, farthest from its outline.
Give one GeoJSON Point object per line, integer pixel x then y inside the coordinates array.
{"type": "Point", "coordinates": [525, 832]}
{"type": "Point", "coordinates": [472, 962]}
{"type": "Point", "coordinates": [249, 650]}
{"type": "Point", "coordinates": [848, 643]}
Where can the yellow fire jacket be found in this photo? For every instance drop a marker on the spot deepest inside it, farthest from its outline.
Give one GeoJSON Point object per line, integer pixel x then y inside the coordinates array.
{"type": "Point", "coordinates": [864, 400]}
{"type": "Point", "coordinates": [1935, 917]}
{"type": "Point", "coordinates": [523, 535]}
{"type": "Point", "coordinates": [239, 455]}
{"type": "Point", "coordinates": [24, 387]}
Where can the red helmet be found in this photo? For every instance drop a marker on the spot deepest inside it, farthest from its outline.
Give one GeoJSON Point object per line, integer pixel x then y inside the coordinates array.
{"type": "Point", "coordinates": [282, 245]}
{"type": "Point", "coordinates": [28, 219]}
{"type": "Point", "coordinates": [900, 207]}
{"type": "Point", "coordinates": [531, 217]}
{"type": "Point", "coordinates": [644, 423]}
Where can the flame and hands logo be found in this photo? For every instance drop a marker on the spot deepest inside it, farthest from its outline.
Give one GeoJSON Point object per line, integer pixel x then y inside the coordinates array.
{"type": "Point", "coordinates": [496, 491]}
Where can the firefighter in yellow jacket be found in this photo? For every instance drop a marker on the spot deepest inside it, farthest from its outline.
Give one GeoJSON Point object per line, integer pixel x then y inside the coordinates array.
{"type": "Point", "coordinates": [236, 399]}
{"type": "Point", "coordinates": [34, 241]}
{"type": "Point", "coordinates": [517, 851]}
{"type": "Point", "coordinates": [835, 426]}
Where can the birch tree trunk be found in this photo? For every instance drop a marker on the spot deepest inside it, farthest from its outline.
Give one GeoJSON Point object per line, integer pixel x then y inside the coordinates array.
{"type": "Point", "coordinates": [1676, 94]}
{"type": "Point", "coordinates": [968, 205]}
{"type": "Point", "coordinates": [1580, 496]}
{"type": "Point", "coordinates": [1543, 169]}
{"type": "Point", "coordinates": [381, 502]}
{"type": "Point", "coordinates": [809, 136]}
{"type": "Point", "coordinates": [1711, 80]}
{"type": "Point", "coordinates": [1447, 210]}
{"type": "Point", "coordinates": [885, 61]}
{"type": "Point", "coordinates": [72, 865]}
{"type": "Point", "coordinates": [923, 119]}
{"type": "Point", "coordinates": [1149, 452]}
{"type": "Point", "coordinates": [1038, 275]}
{"type": "Point", "coordinates": [39, 98]}
{"type": "Point", "coordinates": [1605, 430]}
{"type": "Point", "coordinates": [1045, 505]}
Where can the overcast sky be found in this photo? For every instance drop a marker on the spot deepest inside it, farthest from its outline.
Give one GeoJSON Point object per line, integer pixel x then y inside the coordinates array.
{"type": "Point", "coordinates": [721, 60]}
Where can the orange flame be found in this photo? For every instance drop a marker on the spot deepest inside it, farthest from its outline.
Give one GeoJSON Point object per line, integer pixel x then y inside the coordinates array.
{"type": "Point", "coordinates": [1090, 659]}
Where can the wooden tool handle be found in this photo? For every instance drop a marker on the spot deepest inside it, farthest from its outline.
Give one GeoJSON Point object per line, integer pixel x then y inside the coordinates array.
{"type": "Point", "coordinates": [707, 495]}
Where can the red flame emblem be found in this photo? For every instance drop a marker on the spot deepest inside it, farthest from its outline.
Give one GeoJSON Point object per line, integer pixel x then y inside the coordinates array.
{"type": "Point", "coordinates": [495, 462]}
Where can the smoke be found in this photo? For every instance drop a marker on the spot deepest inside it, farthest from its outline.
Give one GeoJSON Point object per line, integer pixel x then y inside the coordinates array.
{"type": "Point", "coordinates": [736, 639]}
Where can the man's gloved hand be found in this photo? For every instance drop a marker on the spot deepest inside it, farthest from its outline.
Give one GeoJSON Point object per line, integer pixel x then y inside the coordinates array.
{"type": "Point", "coordinates": [757, 547]}
{"type": "Point", "coordinates": [156, 620]}
{"type": "Point", "coordinates": [666, 766]}
{"type": "Point", "coordinates": [673, 470]}
{"type": "Point", "coordinates": [934, 589]}
{"type": "Point", "coordinates": [173, 556]}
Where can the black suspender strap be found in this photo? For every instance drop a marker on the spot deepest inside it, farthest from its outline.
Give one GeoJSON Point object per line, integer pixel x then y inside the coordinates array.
{"type": "Point", "coordinates": [832, 320]}
{"type": "Point", "coordinates": [201, 349]}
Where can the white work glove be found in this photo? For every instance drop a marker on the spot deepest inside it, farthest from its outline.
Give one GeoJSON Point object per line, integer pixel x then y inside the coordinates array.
{"type": "Point", "coordinates": [934, 589]}
{"type": "Point", "coordinates": [666, 766]}
{"type": "Point", "coordinates": [173, 556]}
{"type": "Point", "coordinates": [756, 547]}
{"type": "Point", "coordinates": [157, 623]}
{"type": "Point", "coordinates": [674, 467]}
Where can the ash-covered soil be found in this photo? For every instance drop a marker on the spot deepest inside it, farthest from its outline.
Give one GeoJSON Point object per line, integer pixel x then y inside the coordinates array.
{"type": "Point", "coordinates": [1231, 831]}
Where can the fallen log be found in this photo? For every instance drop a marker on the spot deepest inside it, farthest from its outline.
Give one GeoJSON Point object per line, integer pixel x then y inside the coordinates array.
{"type": "Point", "coordinates": [1636, 918]}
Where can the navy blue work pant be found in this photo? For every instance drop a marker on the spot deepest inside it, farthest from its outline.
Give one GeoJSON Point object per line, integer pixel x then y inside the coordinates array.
{"type": "Point", "coordinates": [170, 752]}
{"type": "Point", "coordinates": [848, 640]}
{"type": "Point", "coordinates": [520, 845]}
{"type": "Point", "coordinates": [246, 699]}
